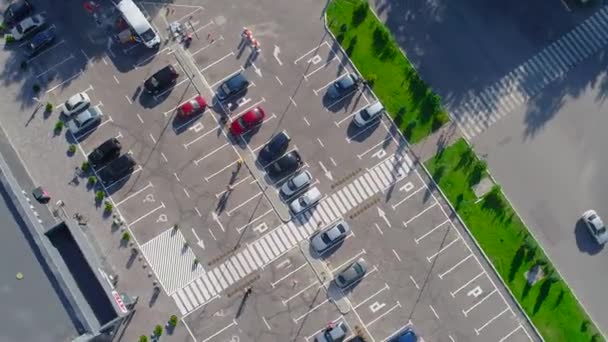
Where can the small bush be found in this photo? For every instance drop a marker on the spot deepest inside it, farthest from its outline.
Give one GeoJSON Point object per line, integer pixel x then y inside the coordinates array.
{"type": "Point", "coordinates": [99, 195]}
{"type": "Point", "coordinates": [85, 166]}
{"type": "Point", "coordinates": [196, 261]}
{"type": "Point", "coordinates": [92, 180]}
{"type": "Point", "coordinates": [72, 149]}
{"type": "Point", "coordinates": [360, 13]}
{"type": "Point", "coordinates": [158, 330]}
{"type": "Point", "coordinates": [143, 338]}
{"type": "Point", "coordinates": [173, 321]}
{"type": "Point", "coordinates": [126, 236]}
{"type": "Point", "coordinates": [49, 107]}
{"type": "Point", "coordinates": [381, 38]}
{"type": "Point", "coordinates": [2, 27]}
{"type": "Point", "coordinates": [176, 226]}
{"type": "Point", "coordinates": [58, 126]}
{"type": "Point", "coordinates": [108, 207]}
{"type": "Point", "coordinates": [8, 38]}
{"type": "Point", "coordinates": [371, 80]}
{"type": "Point", "coordinates": [439, 120]}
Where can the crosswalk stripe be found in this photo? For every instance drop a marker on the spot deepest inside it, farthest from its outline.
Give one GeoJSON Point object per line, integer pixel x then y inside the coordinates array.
{"type": "Point", "coordinates": [232, 269]}
{"type": "Point", "coordinates": [344, 200]}
{"type": "Point", "coordinates": [316, 215]}
{"type": "Point", "coordinates": [589, 37]}
{"type": "Point", "coordinates": [268, 240]}
{"type": "Point", "coordinates": [333, 206]}
{"type": "Point", "coordinates": [578, 44]}
{"type": "Point", "coordinates": [370, 182]}
{"type": "Point", "coordinates": [583, 39]}
{"type": "Point", "coordinates": [335, 198]}
{"type": "Point", "coordinates": [250, 260]}
{"type": "Point", "coordinates": [287, 233]}
{"type": "Point", "coordinates": [277, 242]}
{"type": "Point", "coordinates": [568, 46]}
{"type": "Point", "coordinates": [184, 299]}
{"type": "Point", "coordinates": [350, 196]}
{"type": "Point", "coordinates": [330, 214]}
{"type": "Point", "coordinates": [226, 273]}
{"type": "Point", "coordinates": [208, 285]}
{"type": "Point", "coordinates": [216, 283]}
{"type": "Point", "coordinates": [197, 293]}
{"type": "Point", "coordinates": [189, 290]}
{"type": "Point", "coordinates": [547, 65]}
{"type": "Point", "coordinates": [179, 304]}
{"type": "Point", "coordinates": [239, 268]}
{"type": "Point", "coordinates": [569, 41]}
{"type": "Point", "coordinates": [306, 220]}
{"type": "Point", "coordinates": [218, 274]}
{"type": "Point", "coordinates": [363, 184]}
{"type": "Point", "coordinates": [203, 289]}
{"type": "Point", "coordinates": [596, 26]}
{"type": "Point", "coordinates": [539, 70]}
{"type": "Point", "coordinates": [255, 256]}
{"type": "Point", "coordinates": [362, 191]}
{"type": "Point", "coordinates": [384, 175]}
{"type": "Point", "coordinates": [355, 193]}
{"type": "Point", "coordinates": [262, 251]}
{"type": "Point", "coordinates": [570, 55]}
{"type": "Point", "coordinates": [243, 262]}
{"type": "Point", "coordinates": [320, 209]}
{"type": "Point", "coordinates": [296, 232]}
{"type": "Point", "coordinates": [558, 54]}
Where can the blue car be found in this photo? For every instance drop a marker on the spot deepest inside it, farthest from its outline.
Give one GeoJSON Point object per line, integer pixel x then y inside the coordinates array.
{"type": "Point", "coordinates": [41, 41]}
{"type": "Point", "coordinates": [408, 335]}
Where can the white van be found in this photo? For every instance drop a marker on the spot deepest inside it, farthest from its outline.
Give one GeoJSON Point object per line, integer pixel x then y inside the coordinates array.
{"type": "Point", "coordinates": [138, 23]}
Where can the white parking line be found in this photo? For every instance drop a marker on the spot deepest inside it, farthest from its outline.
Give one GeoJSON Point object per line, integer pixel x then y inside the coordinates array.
{"type": "Point", "coordinates": [135, 194]}
{"type": "Point", "coordinates": [254, 220]}
{"type": "Point", "coordinates": [278, 80]}
{"type": "Point", "coordinates": [45, 51]}
{"type": "Point", "coordinates": [227, 77]}
{"type": "Point", "coordinates": [69, 79]}
{"type": "Point", "coordinates": [145, 60]}
{"type": "Point", "coordinates": [420, 213]}
{"type": "Point", "coordinates": [397, 305]}
{"type": "Point", "coordinates": [219, 194]}
{"type": "Point", "coordinates": [164, 157]}
{"type": "Point", "coordinates": [455, 266]}
{"type": "Point", "coordinates": [338, 123]}
{"type": "Point", "coordinates": [203, 48]}
{"type": "Point", "coordinates": [397, 255]}
{"type": "Point", "coordinates": [349, 261]}
{"type": "Point", "coordinates": [310, 311]}
{"type": "Point", "coordinates": [477, 331]}
{"type": "Point", "coordinates": [417, 240]}
{"type": "Point", "coordinates": [256, 104]}
{"type": "Point", "coordinates": [316, 91]}
{"type": "Point", "coordinates": [379, 230]}
{"type": "Point", "coordinates": [306, 120]}
{"type": "Point", "coordinates": [130, 102]}
{"type": "Point", "coordinates": [467, 284]}
{"type": "Point", "coordinates": [407, 197]}
{"type": "Point", "coordinates": [466, 312]}
{"type": "Point", "coordinates": [311, 50]}
{"type": "Point", "coordinates": [116, 79]}
{"type": "Point", "coordinates": [293, 102]}
{"type": "Point", "coordinates": [384, 288]}
{"type": "Point", "coordinates": [161, 206]}
{"type": "Point", "coordinates": [186, 192]}
{"type": "Point", "coordinates": [220, 171]}
{"type": "Point", "coordinates": [152, 137]}
{"type": "Point", "coordinates": [285, 302]}
{"type": "Point", "coordinates": [139, 168]}
{"type": "Point", "coordinates": [409, 324]}
{"type": "Point", "coordinates": [273, 284]}
{"type": "Point", "coordinates": [210, 154]}
{"type": "Point", "coordinates": [229, 212]}
{"type": "Point", "coordinates": [414, 281]}
{"type": "Point", "coordinates": [266, 323]}
{"type": "Point", "coordinates": [171, 88]}
{"type": "Point", "coordinates": [306, 76]}
{"type": "Point", "coordinates": [430, 258]}
{"type": "Point", "coordinates": [214, 129]}
{"type": "Point", "coordinates": [221, 330]}
{"type": "Point", "coordinates": [350, 140]}
{"type": "Point", "coordinates": [217, 61]}
{"type": "Point", "coordinates": [208, 24]}
{"type": "Point", "coordinates": [513, 332]}
{"type": "Point", "coordinates": [54, 66]}
{"type": "Point", "coordinates": [381, 143]}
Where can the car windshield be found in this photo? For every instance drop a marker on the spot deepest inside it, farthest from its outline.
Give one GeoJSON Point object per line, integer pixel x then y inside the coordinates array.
{"type": "Point", "coordinates": [358, 268]}
{"type": "Point", "coordinates": [325, 238]}
{"type": "Point", "coordinates": [148, 35]}
{"type": "Point", "coordinates": [242, 122]}
{"type": "Point", "coordinates": [291, 184]}
{"type": "Point", "coordinates": [365, 115]}
{"type": "Point", "coordinates": [303, 201]}
{"type": "Point", "coordinates": [19, 29]}
{"type": "Point", "coordinates": [154, 82]}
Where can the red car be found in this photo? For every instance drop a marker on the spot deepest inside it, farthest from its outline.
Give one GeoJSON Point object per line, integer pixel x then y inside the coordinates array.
{"type": "Point", "coordinates": [247, 121]}
{"type": "Point", "coordinates": [192, 107]}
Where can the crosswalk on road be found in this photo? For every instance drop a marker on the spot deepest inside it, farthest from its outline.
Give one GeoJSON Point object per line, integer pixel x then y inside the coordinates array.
{"type": "Point", "coordinates": [281, 239]}
{"type": "Point", "coordinates": [494, 102]}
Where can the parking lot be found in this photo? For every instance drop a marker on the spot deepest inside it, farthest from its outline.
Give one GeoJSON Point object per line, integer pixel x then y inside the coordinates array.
{"type": "Point", "coordinates": [208, 218]}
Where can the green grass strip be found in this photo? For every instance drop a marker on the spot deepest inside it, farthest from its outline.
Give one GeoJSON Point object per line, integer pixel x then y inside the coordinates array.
{"type": "Point", "coordinates": [506, 241]}
{"type": "Point", "coordinates": [415, 108]}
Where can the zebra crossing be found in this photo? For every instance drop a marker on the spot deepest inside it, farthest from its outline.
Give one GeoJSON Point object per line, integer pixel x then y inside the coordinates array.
{"type": "Point", "coordinates": [281, 239]}
{"type": "Point", "coordinates": [528, 79]}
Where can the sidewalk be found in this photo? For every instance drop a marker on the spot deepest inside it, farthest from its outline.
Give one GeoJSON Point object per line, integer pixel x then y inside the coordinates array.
{"type": "Point", "coordinates": [437, 141]}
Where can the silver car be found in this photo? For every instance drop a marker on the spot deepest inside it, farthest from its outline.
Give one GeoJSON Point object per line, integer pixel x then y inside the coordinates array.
{"type": "Point", "coordinates": [351, 274]}
{"type": "Point", "coordinates": [84, 121]}
{"type": "Point", "coordinates": [28, 26]}
{"type": "Point", "coordinates": [76, 103]}
{"type": "Point", "coordinates": [296, 183]}
{"type": "Point", "coordinates": [596, 226]}
{"type": "Point", "coordinates": [368, 114]}
{"type": "Point", "coordinates": [308, 199]}
{"type": "Point", "coordinates": [329, 236]}
{"type": "Point", "coordinates": [332, 334]}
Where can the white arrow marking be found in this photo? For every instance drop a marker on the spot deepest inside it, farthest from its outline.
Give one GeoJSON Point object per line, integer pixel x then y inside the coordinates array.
{"type": "Point", "coordinates": [327, 172]}
{"type": "Point", "coordinates": [214, 215]}
{"type": "Point", "coordinates": [199, 241]}
{"type": "Point", "coordinates": [383, 216]}
{"type": "Point", "coordinates": [257, 70]}
{"type": "Point", "coordinates": [276, 54]}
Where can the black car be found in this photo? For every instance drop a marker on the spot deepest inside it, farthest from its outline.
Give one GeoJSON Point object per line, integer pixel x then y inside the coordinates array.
{"type": "Point", "coordinates": [117, 169]}
{"type": "Point", "coordinates": [161, 80]}
{"type": "Point", "coordinates": [105, 153]}
{"type": "Point", "coordinates": [232, 87]}
{"type": "Point", "coordinates": [285, 165]}
{"type": "Point", "coordinates": [343, 85]}
{"type": "Point", "coordinates": [40, 41]}
{"type": "Point", "coordinates": [17, 11]}
{"type": "Point", "coordinates": [274, 148]}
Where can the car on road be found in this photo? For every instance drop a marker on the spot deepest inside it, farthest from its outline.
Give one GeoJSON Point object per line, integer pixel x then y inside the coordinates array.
{"type": "Point", "coordinates": [76, 103]}
{"type": "Point", "coordinates": [329, 236]}
{"type": "Point", "coordinates": [296, 183]}
{"type": "Point", "coordinates": [105, 153]}
{"type": "Point", "coordinates": [368, 114]}
{"type": "Point", "coordinates": [232, 87]}
{"type": "Point", "coordinates": [117, 169]}
{"type": "Point", "coordinates": [408, 335]}
{"type": "Point", "coordinates": [28, 26]}
{"type": "Point", "coordinates": [247, 121]}
{"type": "Point", "coordinates": [287, 164]}
{"type": "Point", "coordinates": [351, 274]}
{"type": "Point", "coordinates": [85, 121]}
{"type": "Point", "coordinates": [17, 11]}
{"type": "Point", "coordinates": [161, 80]}
{"type": "Point", "coordinates": [596, 226]}
{"type": "Point", "coordinates": [192, 107]}
{"type": "Point", "coordinates": [332, 333]}
{"type": "Point", "coordinates": [274, 148]}
{"type": "Point", "coordinates": [343, 85]}
{"type": "Point", "coordinates": [305, 201]}
{"type": "Point", "coordinates": [40, 41]}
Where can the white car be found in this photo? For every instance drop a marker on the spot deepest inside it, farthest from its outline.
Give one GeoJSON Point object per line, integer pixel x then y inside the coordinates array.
{"type": "Point", "coordinates": [28, 26]}
{"type": "Point", "coordinates": [596, 226]}
{"type": "Point", "coordinates": [296, 183]}
{"type": "Point", "coordinates": [76, 103]}
{"type": "Point", "coordinates": [329, 237]}
{"type": "Point", "coordinates": [305, 201]}
{"type": "Point", "coordinates": [368, 114]}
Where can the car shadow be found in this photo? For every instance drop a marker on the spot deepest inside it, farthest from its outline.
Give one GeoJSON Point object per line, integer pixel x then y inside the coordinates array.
{"type": "Point", "coordinates": [359, 134]}
{"type": "Point", "coordinates": [584, 241]}
{"type": "Point", "coordinates": [334, 105]}
{"type": "Point", "coordinates": [117, 185]}
{"type": "Point", "coordinates": [148, 100]}
{"type": "Point", "coordinates": [247, 136]}
{"type": "Point", "coordinates": [181, 124]}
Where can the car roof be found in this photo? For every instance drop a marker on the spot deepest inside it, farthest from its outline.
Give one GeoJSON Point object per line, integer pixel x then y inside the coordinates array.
{"type": "Point", "coordinates": [406, 336]}
{"type": "Point", "coordinates": [347, 80]}
{"type": "Point", "coordinates": [313, 193]}
{"type": "Point", "coordinates": [237, 80]}
{"type": "Point", "coordinates": [253, 114]}
{"type": "Point", "coordinates": [18, 7]}
{"type": "Point", "coordinates": [109, 144]}
{"type": "Point", "coordinates": [121, 162]}
{"type": "Point", "coordinates": [350, 272]}
{"type": "Point", "coordinates": [374, 108]}
{"type": "Point", "coordinates": [301, 178]}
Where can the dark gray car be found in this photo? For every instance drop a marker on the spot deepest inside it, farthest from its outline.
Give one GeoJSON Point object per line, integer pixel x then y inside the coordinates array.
{"type": "Point", "coordinates": [343, 85]}
{"type": "Point", "coordinates": [351, 274]}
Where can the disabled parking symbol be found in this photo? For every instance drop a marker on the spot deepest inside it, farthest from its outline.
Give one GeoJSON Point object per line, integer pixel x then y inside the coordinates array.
{"type": "Point", "coordinates": [149, 198]}
{"type": "Point", "coordinates": [162, 218]}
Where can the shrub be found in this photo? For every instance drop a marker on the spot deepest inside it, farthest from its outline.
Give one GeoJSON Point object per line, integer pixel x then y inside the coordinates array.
{"type": "Point", "coordinates": [108, 207]}
{"type": "Point", "coordinates": [58, 126]}
{"type": "Point", "coordinates": [360, 13]}
{"type": "Point", "coordinates": [71, 149]}
{"type": "Point", "coordinates": [381, 38]}
{"type": "Point", "coordinates": [2, 27]}
{"type": "Point", "coordinates": [176, 226]}
{"type": "Point", "coordinates": [196, 261]}
{"type": "Point", "coordinates": [49, 107]}
{"type": "Point", "coordinates": [85, 166]}
{"type": "Point", "coordinates": [158, 330]}
{"type": "Point", "coordinates": [173, 321]}
{"type": "Point", "coordinates": [143, 338]}
{"type": "Point", "coordinates": [126, 236]}
{"type": "Point", "coordinates": [371, 79]}
{"type": "Point", "coordinates": [8, 38]}
{"type": "Point", "coordinates": [99, 195]}
{"type": "Point", "coordinates": [439, 120]}
{"type": "Point", "coordinates": [92, 180]}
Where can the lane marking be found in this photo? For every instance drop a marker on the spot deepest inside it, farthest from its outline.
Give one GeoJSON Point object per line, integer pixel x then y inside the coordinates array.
{"type": "Point", "coordinates": [466, 312]}
{"type": "Point", "coordinates": [477, 331]}
{"type": "Point", "coordinates": [414, 281]}
{"type": "Point", "coordinates": [417, 240]}
{"type": "Point", "coordinates": [435, 312]}
{"type": "Point", "coordinates": [135, 193]}
{"type": "Point", "coordinates": [161, 206]}
{"type": "Point", "coordinates": [278, 80]}
{"type": "Point", "coordinates": [430, 258]}
{"type": "Point", "coordinates": [140, 118]}
{"type": "Point", "coordinates": [467, 284]}
{"type": "Point", "coordinates": [397, 255]}
{"type": "Point", "coordinates": [455, 266]}
{"type": "Point", "coordinates": [217, 61]}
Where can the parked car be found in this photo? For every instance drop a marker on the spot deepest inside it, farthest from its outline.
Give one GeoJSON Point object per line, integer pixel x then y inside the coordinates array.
{"type": "Point", "coordinates": [351, 274]}
{"type": "Point", "coordinates": [368, 114]}
{"type": "Point", "coordinates": [343, 85]}
{"type": "Point", "coordinates": [192, 107]}
{"type": "Point", "coordinates": [247, 121]}
{"type": "Point", "coordinates": [161, 80]}
{"type": "Point", "coordinates": [41, 41]}
{"type": "Point", "coordinates": [117, 169]}
{"type": "Point", "coordinates": [596, 226]}
{"type": "Point", "coordinates": [296, 183]}
{"type": "Point", "coordinates": [17, 11]}
{"type": "Point", "coordinates": [329, 237]}
{"type": "Point", "coordinates": [105, 153]}
{"type": "Point", "coordinates": [232, 87]}
{"type": "Point", "coordinates": [335, 333]}
{"type": "Point", "coordinates": [285, 165]}
{"type": "Point", "coordinates": [76, 103]}
{"type": "Point", "coordinates": [28, 26]}
{"type": "Point", "coordinates": [275, 147]}
{"type": "Point", "coordinates": [408, 335]}
{"type": "Point", "coordinates": [85, 121]}
{"type": "Point", "coordinates": [305, 201]}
